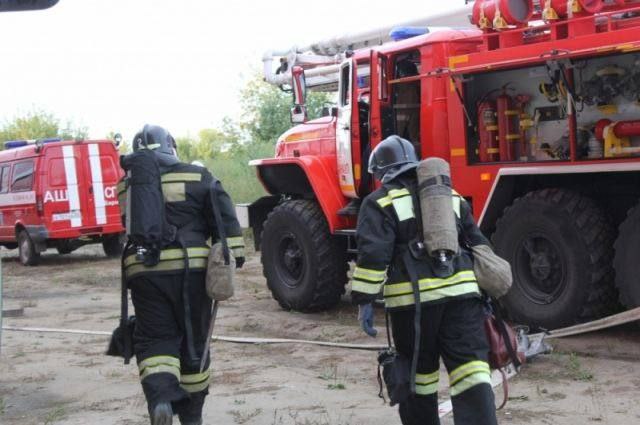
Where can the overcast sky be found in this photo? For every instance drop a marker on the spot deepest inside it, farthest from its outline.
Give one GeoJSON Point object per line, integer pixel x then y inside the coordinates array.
{"type": "Point", "coordinates": [116, 64]}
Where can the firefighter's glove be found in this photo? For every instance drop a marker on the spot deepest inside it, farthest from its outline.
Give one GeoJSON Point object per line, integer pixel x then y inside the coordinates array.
{"type": "Point", "coordinates": [365, 317]}
{"type": "Point", "coordinates": [239, 262]}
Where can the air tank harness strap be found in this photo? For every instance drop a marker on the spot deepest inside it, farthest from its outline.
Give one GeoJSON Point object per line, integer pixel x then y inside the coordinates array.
{"type": "Point", "coordinates": [441, 179]}
{"type": "Point", "coordinates": [188, 327]}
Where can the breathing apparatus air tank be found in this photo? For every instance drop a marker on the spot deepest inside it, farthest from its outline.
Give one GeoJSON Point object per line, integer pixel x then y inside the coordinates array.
{"type": "Point", "coordinates": [439, 230]}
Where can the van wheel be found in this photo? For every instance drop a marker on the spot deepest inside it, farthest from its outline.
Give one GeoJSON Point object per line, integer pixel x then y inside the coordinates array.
{"type": "Point", "coordinates": [306, 269]}
{"type": "Point", "coordinates": [112, 245]}
{"type": "Point", "coordinates": [560, 247]}
{"type": "Point", "coordinates": [27, 249]}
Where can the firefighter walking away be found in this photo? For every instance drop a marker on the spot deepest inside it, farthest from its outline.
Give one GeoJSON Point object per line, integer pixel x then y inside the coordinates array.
{"type": "Point", "coordinates": [447, 321]}
{"type": "Point", "coordinates": [169, 208]}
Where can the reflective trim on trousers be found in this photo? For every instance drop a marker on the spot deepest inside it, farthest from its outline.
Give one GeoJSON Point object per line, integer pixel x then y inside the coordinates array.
{"type": "Point", "coordinates": [469, 375]}
{"type": "Point", "coordinates": [427, 384]}
{"type": "Point", "coordinates": [195, 382]}
{"type": "Point", "coordinates": [159, 364]}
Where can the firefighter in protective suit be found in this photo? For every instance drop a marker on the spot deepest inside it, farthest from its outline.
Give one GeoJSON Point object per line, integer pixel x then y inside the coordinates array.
{"type": "Point", "coordinates": [171, 324]}
{"type": "Point", "coordinates": [452, 316]}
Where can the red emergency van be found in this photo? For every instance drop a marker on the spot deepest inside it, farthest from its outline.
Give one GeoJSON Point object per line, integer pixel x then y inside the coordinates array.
{"type": "Point", "coordinates": [59, 194]}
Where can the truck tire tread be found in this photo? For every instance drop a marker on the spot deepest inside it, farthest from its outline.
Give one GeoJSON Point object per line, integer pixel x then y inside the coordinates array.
{"type": "Point", "coordinates": [596, 233]}
{"type": "Point", "coordinates": [331, 260]}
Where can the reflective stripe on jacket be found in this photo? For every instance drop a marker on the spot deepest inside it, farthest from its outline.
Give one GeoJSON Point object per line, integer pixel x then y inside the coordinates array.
{"type": "Point", "coordinates": [387, 222]}
{"type": "Point", "coordinates": [171, 260]}
{"type": "Point", "coordinates": [187, 190]}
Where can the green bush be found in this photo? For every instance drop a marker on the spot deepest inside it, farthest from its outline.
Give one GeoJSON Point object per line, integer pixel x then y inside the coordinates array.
{"type": "Point", "coordinates": [237, 177]}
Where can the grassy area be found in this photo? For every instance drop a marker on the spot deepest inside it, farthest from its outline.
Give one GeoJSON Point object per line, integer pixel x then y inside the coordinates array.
{"type": "Point", "coordinates": [237, 177]}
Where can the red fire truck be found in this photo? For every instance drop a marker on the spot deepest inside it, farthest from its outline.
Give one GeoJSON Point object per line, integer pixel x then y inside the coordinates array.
{"type": "Point", "coordinates": [537, 109]}
{"type": "Point", "coordinates": [59, 194]}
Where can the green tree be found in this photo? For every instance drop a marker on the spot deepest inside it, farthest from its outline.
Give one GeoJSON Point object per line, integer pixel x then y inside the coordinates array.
{"type": "Point", "coordinates": [186, 148]}
{"type": "Point", "coordinates": [267, 110]}
{"type": "Point", "coordinates": [39, 124]}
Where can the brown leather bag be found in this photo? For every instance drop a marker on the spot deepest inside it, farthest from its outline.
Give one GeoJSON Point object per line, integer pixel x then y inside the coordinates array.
{"type": "Point", "coordinates": [500, 355]}
{"type": "Point", "coordinates": [503, 347]}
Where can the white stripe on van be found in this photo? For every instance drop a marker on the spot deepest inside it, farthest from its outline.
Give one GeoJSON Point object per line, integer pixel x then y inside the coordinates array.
{"type": "Point", "coordinates": [72, 186]}
{"type": "Point", "coordinates": [18, 198]}
{"type": "Point", "coordinates": [98, 186]}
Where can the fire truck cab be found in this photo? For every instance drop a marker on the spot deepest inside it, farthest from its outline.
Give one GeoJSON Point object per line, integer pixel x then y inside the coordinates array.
{"type": "Point", "coordinates": [59, 194]}
{"type": "Point", "coordinates": [537, 109]}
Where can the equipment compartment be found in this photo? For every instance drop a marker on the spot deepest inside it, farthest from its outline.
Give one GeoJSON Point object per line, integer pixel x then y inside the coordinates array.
{"type": "Point", "coordinates": [608, 106]}
{"type": "Point", "coordinates": [520, 115]}
{"type": "Point", "coordinates": [581, 109]}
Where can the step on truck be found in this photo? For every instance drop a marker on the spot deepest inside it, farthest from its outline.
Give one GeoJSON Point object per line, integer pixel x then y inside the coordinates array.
{"type": "Point", "coordinates": [59, 194]}
{"type": "Point", "coordinates": [535, 104]}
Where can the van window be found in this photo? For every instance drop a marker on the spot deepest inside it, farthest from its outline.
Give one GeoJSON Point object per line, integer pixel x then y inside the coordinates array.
{"type": "Point", "coordinates": [22, 176]}
{"type": "Point", "coordinates": [4, 178]}
{"type": "Point", "coordinates": [109, 169]}
{"type": "Point", "coordinates": [345, 81]}
{"type": "Point", "coordinates": [57, 176]}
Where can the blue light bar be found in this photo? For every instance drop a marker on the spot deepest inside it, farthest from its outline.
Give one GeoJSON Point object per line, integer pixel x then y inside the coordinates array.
{"type": "Point", "coordinates": [50, 140]}
{"type": "Point", "coordinates": [12, 144]}
{"type": "Point", "coordinates": [402, 33]}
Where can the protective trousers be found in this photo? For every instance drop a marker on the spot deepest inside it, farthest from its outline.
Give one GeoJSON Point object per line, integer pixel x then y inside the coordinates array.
{"type": "Point", "coordinates": [452, 330]}
{"type": "Point", "coordinates": [166, 371]}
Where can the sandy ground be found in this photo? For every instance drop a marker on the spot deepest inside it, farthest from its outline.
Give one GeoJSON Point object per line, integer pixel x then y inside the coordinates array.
{"type": "Point", "coordinates": [66, 379]}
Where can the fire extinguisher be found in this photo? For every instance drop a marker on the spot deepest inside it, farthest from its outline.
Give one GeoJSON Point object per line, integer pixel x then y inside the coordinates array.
{"type": "Point", "coordinates": [488, 132]}
{"type": "Point", "coordinates": [525, 123]}
{"type": "Point", "coordinates": [508, 134]}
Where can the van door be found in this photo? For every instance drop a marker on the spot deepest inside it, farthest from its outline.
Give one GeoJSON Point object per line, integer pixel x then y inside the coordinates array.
{"type": "Point", "coordinates": [102, 171]}
{"type": "Point", "coordinates": [64, 189]}
{"type": "Point", "coordinates": [19, 204]}
{"type": "Point", "coordinates": [7, 232]}
{"type": "Point", "coordinates": [343, 131]}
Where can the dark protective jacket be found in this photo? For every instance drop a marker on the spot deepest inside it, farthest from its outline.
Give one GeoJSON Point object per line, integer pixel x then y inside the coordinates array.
{"type": "Point", "coordinates": [386, 224]}
{"type": "Point", "coordinates": [186, 189]}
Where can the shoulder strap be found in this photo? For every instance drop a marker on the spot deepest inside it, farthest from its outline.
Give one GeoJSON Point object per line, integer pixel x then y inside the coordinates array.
{"type": "Point", "coordinates": [386, 322]}
{"type": "Point", "coordinates": [417, 318]}
{"type": "Point", "coordinates": [219, 224]}
{"type": "Point", "coordinates": [124, 306]}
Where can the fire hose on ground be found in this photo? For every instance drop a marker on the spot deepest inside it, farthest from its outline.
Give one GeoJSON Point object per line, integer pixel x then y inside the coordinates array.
{"type": "Point", "coordinates": [445, 407]}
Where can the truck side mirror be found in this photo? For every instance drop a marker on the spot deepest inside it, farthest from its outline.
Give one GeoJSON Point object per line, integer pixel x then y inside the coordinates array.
{"type": "Point", "coordinates": [21, 5]}
{"type": "Point", "coordinates": [299, 86]}
{"type": "Point", "coordinates": [298, 114]}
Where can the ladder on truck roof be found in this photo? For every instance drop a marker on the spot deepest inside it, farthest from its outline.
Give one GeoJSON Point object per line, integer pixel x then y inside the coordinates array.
{"type": "Point", "coordinates": [321, 60]}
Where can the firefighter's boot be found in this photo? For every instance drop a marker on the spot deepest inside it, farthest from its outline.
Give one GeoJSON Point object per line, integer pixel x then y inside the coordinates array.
{"type": "Point", "coordinates": [162, 414]}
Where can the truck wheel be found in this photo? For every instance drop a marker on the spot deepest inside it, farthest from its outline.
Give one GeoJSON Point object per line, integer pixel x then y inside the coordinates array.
{"type": "Point", "coordinates": [560, 247]}
{"type": "Point", "coordinates": [112, 245]}
{"type": "Point", "coordinates": [625, 261]}
{"type": "Point", "coordinates": [27, 249]}
{"type": "Point", "coordinates": [306, 269]}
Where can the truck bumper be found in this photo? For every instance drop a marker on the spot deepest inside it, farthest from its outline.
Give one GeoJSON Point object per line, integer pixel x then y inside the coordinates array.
{"type": "Point", "coordinates": [252, 216]}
